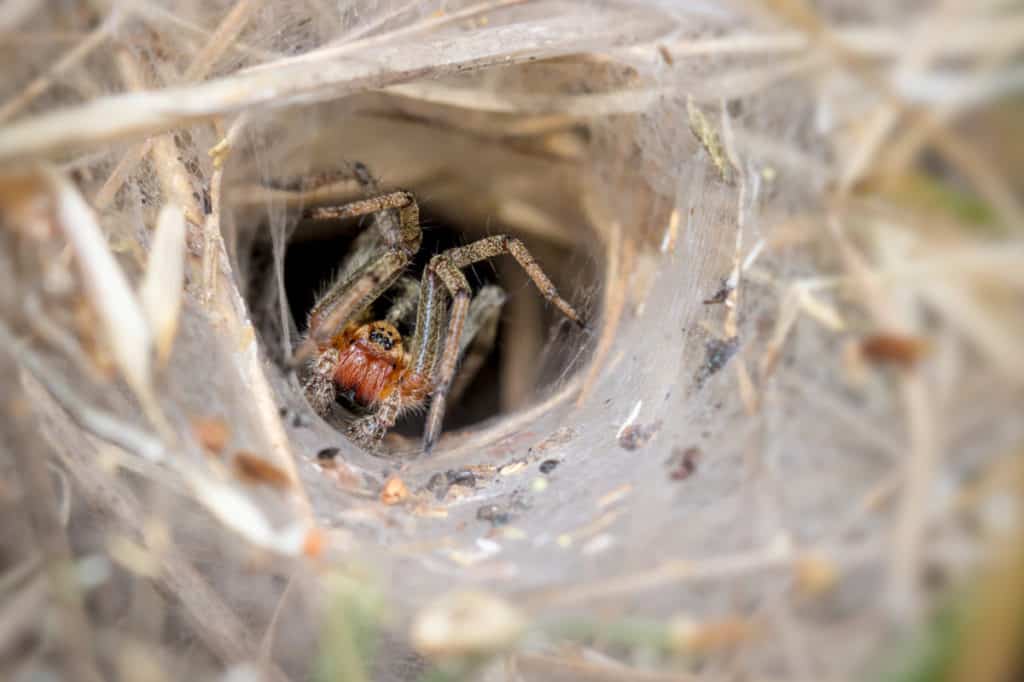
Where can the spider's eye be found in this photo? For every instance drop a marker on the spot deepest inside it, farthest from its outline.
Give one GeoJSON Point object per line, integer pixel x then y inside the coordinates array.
{"type": "Point", "coordinates": [382, 339]}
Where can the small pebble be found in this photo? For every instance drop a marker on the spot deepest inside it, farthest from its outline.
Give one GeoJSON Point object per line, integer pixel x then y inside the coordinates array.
{"type": "Point", "coordinates": [493, 513]}
{"type": "Point", "coordinates": [438, 485]}
{"type": "Point", "coordinates": [394, 491]}
{"type": "Point", "coordinates": [638, 435]}
{"type": "Point", "coordinates": [548, 465]}
{"type": "Point", "coordinates": [462, 477]}
{"type": "Point", "coordinates": [683, 463]}
{"type": "Point", "coordinates": [327, 454]}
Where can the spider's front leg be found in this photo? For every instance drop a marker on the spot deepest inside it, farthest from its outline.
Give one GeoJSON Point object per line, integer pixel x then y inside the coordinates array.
{"type": "Point", "coordinates": [319, 388]}
{"type": "Point", "coordinates": [350, 295]}
{"type": "Point", "coordinates": [370, 430]}
{"type": "Point", "coordinates": [447, 268]}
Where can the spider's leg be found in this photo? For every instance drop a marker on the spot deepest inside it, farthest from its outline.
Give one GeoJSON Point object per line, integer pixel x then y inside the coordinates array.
{"type": "Point", "coordinates": [430, 313]}
{"type": "Point", "coordinates": [478, 337]}
{"type": "Point", "coordinates": [448, 266]}
{"type": "Point", "coordinates": [500, 244]}
{"type": "Point", "coordinates": [460, 292]}
{"type": "Point", "coordinates": [319, 388]}
{"type": "Point", "coordinates": [430, 318]}
{"type": "Point", "coordinates": [369, 430]}
{"type": "Point", "coordinates": [477, 340]}
{"type": "Point", "coordinates": [403, 307]}
{"type": "Point", "coordinates": [349, 296]}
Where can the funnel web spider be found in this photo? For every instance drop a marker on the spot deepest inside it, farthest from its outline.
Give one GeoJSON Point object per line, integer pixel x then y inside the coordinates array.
{"type": "Point", "coordinates": [368, 360]}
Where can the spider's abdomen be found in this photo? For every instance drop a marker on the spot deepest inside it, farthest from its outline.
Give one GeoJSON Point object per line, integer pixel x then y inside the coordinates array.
{"type": "Point", "coordinates": [370, 362]}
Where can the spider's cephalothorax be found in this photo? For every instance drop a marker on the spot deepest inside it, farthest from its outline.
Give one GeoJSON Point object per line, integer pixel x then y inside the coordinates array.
{"type": "Point", "coordinates": [371, 362]}
{"type": "Point", "coordinates": [368, 360]}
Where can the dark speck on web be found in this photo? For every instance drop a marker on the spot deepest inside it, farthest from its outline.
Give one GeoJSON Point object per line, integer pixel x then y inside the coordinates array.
{"type": "Point", "coordinates": [718, 352]}
{"type": "Point", "coordinates": [636, 436]}
{"type": "Point", "coordinates": [327, 454]}
{"type": "Point", "coordinates": [493, 513]}
{"type": "Point", "coordinates": [462, 477]}
{"type": "Point", "coordinates": [548, 465]}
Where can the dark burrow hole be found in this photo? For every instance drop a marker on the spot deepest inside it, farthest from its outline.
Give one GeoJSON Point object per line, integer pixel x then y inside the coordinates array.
{"type": "Point", "coordinates": [315, 253]}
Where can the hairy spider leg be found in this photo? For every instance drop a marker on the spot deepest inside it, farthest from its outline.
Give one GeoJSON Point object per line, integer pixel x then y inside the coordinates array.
{"type": "Point", "coordinates": [447, 266]}
{"type": "Point", "coordinates": [348, 297]}
{"type": "Point", "coordinates": [478, 337]}
{"type": "Point", "coordinates": [403, 305]}
{"type": "Point", "coordinates": [416, 385]}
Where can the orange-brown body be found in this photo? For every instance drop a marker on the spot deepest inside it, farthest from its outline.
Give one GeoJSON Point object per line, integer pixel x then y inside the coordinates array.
{"type": "Point", "coordinates": [372, 364]}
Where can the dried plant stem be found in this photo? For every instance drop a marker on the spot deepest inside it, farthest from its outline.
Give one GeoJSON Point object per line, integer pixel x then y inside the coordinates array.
{"type": "Point", "coordinates": [332, 53]}
{"type": "Point", "coordinates": [770, 558]}
{"type": "Point", "coordinates": [214, 251]}
{"type": "Point", "coordinates": [120, 174]}
{"type": "Point", "coordinates": [223, 37]}
{"type": "Point", "coordinates": [51, 543]}
{"type": "Point", "coordinates": [75, 55]}
{"type": "Point", "coordinates": [924, 455]}
{"type": "Point", "coordinates": [227, 504]}
{"type": "Point", "coordinates": [903, 592]}
{"type": "Point", "coordinates": [261, 195]}
{"type": "Point", "coordinates": [214, 622]}
{"type": "Point", "coordinates": [730, 327]}
{"type": "Point", "coordinates": [924, 48]}
{"type": "Point", "coordinates": [96, 422]}
{"type": "Point", "coordinates": [223, 298]}
{"type": "Point", "coordinates": [58, 337]}
{"type": "Point", "coordinates": [971, 37]}
{"type": "Point", "coordinates": [174, 177]}
{"type": "Point", "coordinates": [109, 294]}
{"type": "Point", "coordinates": [901, 153]}
{"type": "Point", "coordinates": [154, 11]}
{"type": "Point", "coordinates": [283, 82]}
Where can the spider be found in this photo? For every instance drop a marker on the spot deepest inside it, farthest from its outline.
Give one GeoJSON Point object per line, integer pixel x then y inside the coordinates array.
{"type": "Point", "coordinates": [352, 354]}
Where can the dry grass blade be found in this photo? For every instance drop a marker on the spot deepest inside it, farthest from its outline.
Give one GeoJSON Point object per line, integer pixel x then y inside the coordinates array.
{"type": "Point", "coordinates": [224, 501]}
{"type": "Point", "coordinates": [97, 422]}
{"type": "Point", "coordinates": [678, 166]}
{"type": "Point", "coordinates": [241, 514]}
{"type": "Point", "coordinates": [73, 642]}
{"type": "Point", "coordinates": [925, 450]}
{"type": "Point", "coordinates": [74, 56]}
{"type": "Point", "coordinates": [217, 626]}
{"type": "Point", "coordinates": [122, 320]}
{"type": "Point", "coordinates": [134, 114]}
{"type": "Point", "coordinates": [223, 37]}
{"type": "Point", "coordinates": [163, 284]}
